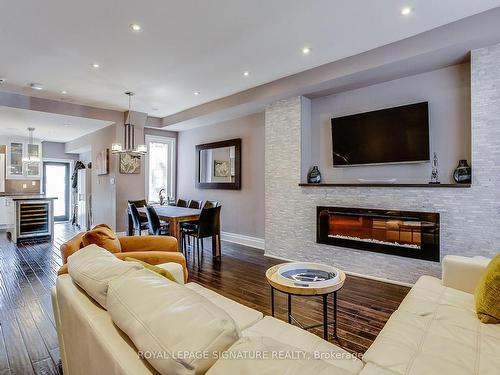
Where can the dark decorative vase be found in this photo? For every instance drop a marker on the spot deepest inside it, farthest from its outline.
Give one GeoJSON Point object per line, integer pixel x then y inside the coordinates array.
{"type": "Point", "coordinates": [462, 174]}
{"type": "Point", "coordinates": [314, 176]}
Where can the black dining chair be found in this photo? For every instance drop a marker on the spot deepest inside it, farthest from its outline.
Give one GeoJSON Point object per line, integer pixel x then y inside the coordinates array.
{"type": "Point", "coordinates": [181, 203]}
{"type": "Point", "coordinates": [192, 224]}
{"type": "Point", "coordinates": [208, 225]}
{"type": "Point", "coordinates": [211, 204]}
{"type": "Point", "coordinates": [156, 226]}
{"type": "Point", "coordinates": [195, 204]}
{"type": "Point", "coordinates": [138, 222]}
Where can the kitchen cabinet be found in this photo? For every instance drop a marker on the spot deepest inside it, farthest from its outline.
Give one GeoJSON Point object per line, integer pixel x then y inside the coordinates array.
{"type": "Point", "coordinates": [24, 160]}
{"type": "Point", "coordinates": [6, 213]}
{"type": "Point", "coordinates": [2, 173]}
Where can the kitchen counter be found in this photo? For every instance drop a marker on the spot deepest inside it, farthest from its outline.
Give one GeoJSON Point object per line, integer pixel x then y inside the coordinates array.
{"type": "Point", "coordinates": [30, 197]}
{"type": "Point", "coordinates": [19, 197]}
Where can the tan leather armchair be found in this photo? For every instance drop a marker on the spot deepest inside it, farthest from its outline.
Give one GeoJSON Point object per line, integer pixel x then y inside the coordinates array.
{"type": "Point", "coordinates": [150, 249]}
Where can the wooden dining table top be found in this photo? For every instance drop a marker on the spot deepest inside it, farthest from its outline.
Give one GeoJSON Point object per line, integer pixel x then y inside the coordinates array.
{"type": "Point", "coordinates": [172, 211]}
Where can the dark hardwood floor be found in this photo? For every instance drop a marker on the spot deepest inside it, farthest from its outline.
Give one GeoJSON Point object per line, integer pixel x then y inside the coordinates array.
{"type": "Point", "coordinates": [28, 339]}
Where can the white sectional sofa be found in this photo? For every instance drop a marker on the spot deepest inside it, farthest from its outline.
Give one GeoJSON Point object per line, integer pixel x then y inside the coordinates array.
{"type": "Point", "coordinates": [434, 331]}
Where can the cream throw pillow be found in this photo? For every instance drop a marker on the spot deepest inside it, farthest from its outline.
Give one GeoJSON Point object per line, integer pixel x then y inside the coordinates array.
{"type": "Point", "coordinates": [92, 268]}
{"type": "Point", "coordinates": [166, 319]}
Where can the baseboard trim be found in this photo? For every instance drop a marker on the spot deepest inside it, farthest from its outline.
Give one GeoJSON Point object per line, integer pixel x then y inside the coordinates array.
{"type": "Point", "coordinates": [241, 239]}
{"type": "Point", "coordinates": [401, 283]}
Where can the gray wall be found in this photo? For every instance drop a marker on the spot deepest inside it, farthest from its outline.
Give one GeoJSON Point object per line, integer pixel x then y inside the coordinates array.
{"type": "Point", "coordinates": [132, 186]}
{"type": "Point", "coordinates": [242, 210]}
{"type": "Point", "coordinates": [56, 150]}
{"type": "Point", "coordinates": [110, 199]}
{"type": "Point", "coordinates": [470, 218]}
{"type": "Point", "coordinates": [103, 191]}
{"type": "Point", "coordinates": [448, 93]}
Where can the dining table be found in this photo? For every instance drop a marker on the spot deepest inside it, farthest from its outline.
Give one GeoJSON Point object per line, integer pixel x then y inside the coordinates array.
{"type": "Point", "coordinates": [175, 216]}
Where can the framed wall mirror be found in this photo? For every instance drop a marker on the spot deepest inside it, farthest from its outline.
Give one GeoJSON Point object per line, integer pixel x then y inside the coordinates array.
{"type": "Point", "coordinates": [218, 165]}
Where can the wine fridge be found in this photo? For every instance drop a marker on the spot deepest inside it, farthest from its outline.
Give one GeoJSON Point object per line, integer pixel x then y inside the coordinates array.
{"type": "Point", "coordinates": [34, 219]}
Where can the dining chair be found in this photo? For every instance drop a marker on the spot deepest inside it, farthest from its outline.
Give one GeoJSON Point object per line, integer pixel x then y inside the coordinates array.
{"type": "Point", "coordinates": [208, 226]}
{"type": "Point", "coordinates": [181, 203]}
{"type": "Point", "coordinates": [138, 222]}
{"type": "Point", "coordinates": [195, 204]}
{"type": "Point", "coordinates": [211, 204]}
{"type": "Point", "coordinates": [191, 224]}
{"type": "Point", "coordinates": [156, 226]}
{"type": "Point", "coordinates": [139, 203]}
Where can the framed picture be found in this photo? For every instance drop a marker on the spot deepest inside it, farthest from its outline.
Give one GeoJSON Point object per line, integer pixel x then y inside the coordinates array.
{"type": "Point", "coordinates": [221, 168]}
{"type": "Point", "coordinates": [102, 162]}
{"type": "Point", "coordinates": [130, 164]}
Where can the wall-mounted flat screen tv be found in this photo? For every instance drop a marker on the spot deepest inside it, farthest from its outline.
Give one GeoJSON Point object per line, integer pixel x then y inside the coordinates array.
{"type": "Point", "coordinates": [386, 136]}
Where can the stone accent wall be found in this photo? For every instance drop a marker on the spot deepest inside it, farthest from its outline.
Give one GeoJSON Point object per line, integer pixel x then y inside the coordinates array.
{"type": "Point", "coordinates": [470, 218]}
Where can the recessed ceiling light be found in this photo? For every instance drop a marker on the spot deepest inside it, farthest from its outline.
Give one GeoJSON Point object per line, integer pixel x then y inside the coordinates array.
{"type": "Point", "coordinates": [306, 50]}
{"type": "Point", "coordinates": [36, 86]}
{"type": "Point", "coordinates": [66, 125]}
{"type": "Point", "coordinates": [154, 108]}
{"type": "Point", "coordinates": [246, 73]}
{"type": "Point", "coordinates": [95, 65]}
{"type": "Point", "coordinates": [64, 92]}
{"type": "Point", "coordinates": [405, 11]}
{"type": "Point", "coordinates": [196, 93]}
{"type": "Point", "coordinates": [135, 27]}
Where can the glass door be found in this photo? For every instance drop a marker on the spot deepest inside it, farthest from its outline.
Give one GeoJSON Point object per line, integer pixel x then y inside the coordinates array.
{"type": "Point", "coordinates": [15, 160]}
{"type": "Point", "coordinates": [33, 167]}
{"type": "Point", "coordinates": [56, 184]}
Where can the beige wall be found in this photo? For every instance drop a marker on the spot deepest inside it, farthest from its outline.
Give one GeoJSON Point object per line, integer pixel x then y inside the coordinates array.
{"type": "Point", "coordinates": [133, 186]}
{"type": "Point", "coordinates": [110, 199]}
{"type": "Point", "coordinates": [242, 210]}
{"type": "Point", "coordinates": [103, 191]}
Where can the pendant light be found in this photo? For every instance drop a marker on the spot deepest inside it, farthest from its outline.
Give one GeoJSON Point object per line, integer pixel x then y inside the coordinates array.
{"type": "Point", "coordinates": [128, 146]}
{"type": "Point", "coordinates": [33, 157]}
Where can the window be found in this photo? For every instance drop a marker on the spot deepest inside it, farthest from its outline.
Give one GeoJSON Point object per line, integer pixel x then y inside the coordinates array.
{"type": "Point", "coordinates": [160, 167]}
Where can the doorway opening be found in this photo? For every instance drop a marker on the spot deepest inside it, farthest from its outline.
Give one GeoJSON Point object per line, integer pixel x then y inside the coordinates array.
{"type": "Point", "coordinates": [56, 184]}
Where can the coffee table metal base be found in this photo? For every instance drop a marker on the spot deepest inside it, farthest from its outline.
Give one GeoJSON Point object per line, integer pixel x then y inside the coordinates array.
{"type": "Point", "coordinates": [325, 323]}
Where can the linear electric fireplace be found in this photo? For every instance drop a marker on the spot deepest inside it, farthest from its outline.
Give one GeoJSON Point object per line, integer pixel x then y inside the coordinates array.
{"type": "Point", "coordinates": [404, 233]}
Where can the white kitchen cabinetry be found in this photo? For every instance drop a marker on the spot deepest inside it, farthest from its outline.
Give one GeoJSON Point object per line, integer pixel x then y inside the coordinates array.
{"type": "Point", "coordinates": [19, 153]}
{"type": "Point", "coordinates": [6, 213]}
{"type": "Point", "coordinates": [2, 173]}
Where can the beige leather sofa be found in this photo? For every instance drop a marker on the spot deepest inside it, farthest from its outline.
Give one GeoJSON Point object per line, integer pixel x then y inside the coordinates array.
{"type": "Point", "coordinates": [434, 331]}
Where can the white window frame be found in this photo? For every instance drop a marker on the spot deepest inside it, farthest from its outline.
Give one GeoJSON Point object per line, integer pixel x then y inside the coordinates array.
{"type": "Point", "coordinates": [171, 171]}
{"type": "Point", "coordinates": [71, 163]}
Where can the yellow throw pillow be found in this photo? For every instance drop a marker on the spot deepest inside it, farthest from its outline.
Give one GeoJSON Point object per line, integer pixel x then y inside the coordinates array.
{"type": "Point", "coordinates": [158, 270]}
{"type": "Point", "coordinates": [102, 236]}
{"type": "Point", "coordinates": [487, 294]}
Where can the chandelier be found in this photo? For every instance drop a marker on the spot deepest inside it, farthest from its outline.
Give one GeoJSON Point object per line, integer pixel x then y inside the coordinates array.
{"type": "Point", "coordinates": [33, 155]}
{"type": "Point", "coordinates": [128, 146]}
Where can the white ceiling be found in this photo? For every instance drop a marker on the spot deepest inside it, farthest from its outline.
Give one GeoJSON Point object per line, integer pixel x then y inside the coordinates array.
{"type": "Point", "coordinates": [193, 45]}
{"type": "Point", "coordinates": [48, 126]}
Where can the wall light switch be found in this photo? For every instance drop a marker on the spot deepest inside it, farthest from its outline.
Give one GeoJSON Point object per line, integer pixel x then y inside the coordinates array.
{"type": "Point", "coordinates": [25, 186]}
{"type": "Point", "coordinates": [112, 180]}
{"type": "Point", "coordinates": [98, 181]}
{"type": "Point", "coordinates": [33, 183]}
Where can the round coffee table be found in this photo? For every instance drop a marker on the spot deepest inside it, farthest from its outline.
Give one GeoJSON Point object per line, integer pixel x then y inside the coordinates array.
{"type": "Point", "coordinates": [306, 282]}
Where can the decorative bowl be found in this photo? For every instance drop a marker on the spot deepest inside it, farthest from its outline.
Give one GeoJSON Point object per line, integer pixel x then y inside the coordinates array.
{"type": "Point", "coordinates": [308, 275]}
